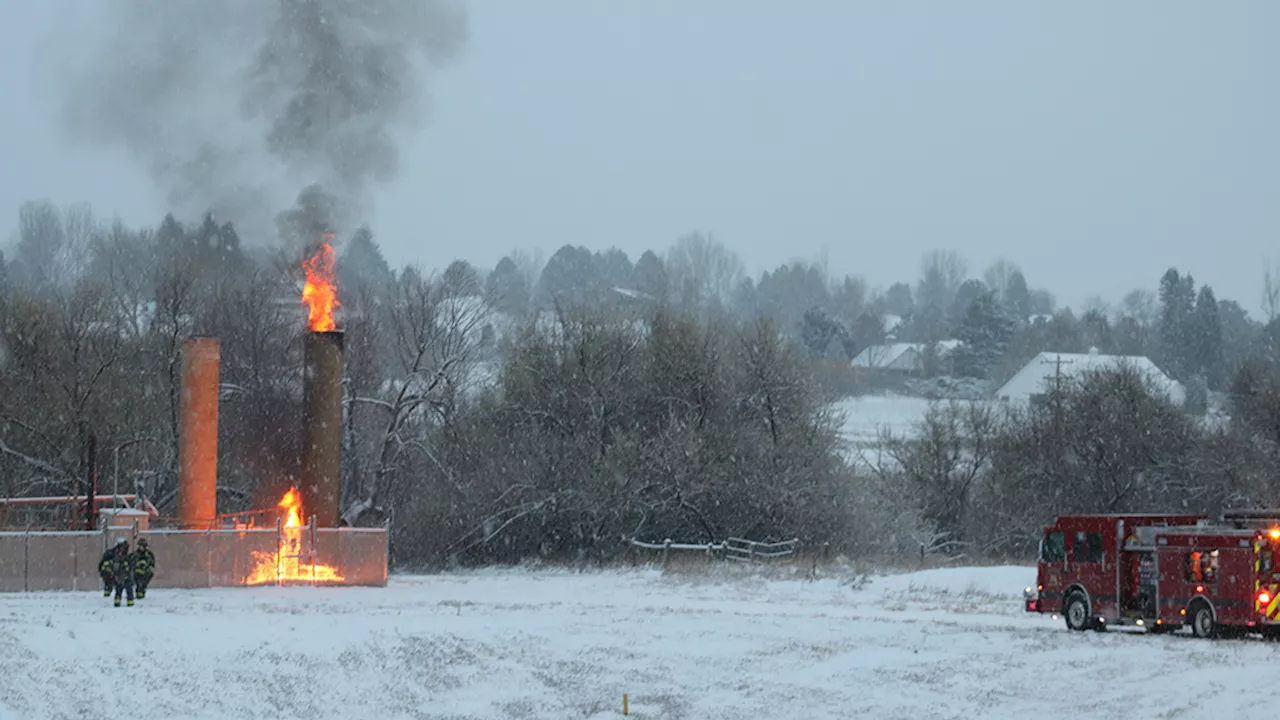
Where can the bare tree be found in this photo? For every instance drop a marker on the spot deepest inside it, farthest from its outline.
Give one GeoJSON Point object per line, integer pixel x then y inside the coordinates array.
{"type": "Point", "coordinates": [703, 269]}
{"type": "Point", "coordinates": [435, 334]}
{"type": "Point", "coordinates": [40, 239]}
{"type": "Point", "coordinates": [1095, 304]}
{"type": "Point", "coordinates": [72, 258]}
{"type": "Point", "coordinates": [67, 344]}
{"type": "Point", "coordinates": [997, 276]}
{"type": "Point", "coordinates": [124, 261]}
{"type": "Point", "coordinates": [948, 454]}
{"type": "Point", "coordinates": [1142, 305]}
{"type": "Point", "coordinates": [941, 273]}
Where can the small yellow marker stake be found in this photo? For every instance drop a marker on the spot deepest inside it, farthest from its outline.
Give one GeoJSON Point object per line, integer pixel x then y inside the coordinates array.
{"type": "Point", "coordinates": [624, 704]}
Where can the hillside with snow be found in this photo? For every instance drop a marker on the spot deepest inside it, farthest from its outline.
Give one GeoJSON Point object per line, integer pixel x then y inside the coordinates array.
{"type": "Point", "coordinates": [950, 643]}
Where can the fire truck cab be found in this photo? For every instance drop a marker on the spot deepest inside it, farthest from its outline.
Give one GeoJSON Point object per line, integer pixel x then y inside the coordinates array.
{"type": "Point", "coordinates": [1161, 572]}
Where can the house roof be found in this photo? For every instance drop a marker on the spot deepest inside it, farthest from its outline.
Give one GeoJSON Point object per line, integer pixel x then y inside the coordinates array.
{"type": "Point", "coordinates": [879, 356]}
{"type": "Point", "coordinates": [882, 356]}
{"type": "Point", "coordinates": [1036, 376]}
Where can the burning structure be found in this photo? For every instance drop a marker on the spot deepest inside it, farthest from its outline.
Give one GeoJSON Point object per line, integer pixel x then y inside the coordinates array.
{"type": "Point", "coordinates": [296, 542]}
{"type": "Point", "coordinates": [322, 392]}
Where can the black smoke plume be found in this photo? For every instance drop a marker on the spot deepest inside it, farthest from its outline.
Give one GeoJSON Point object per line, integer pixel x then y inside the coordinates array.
{"type": "Point", "coordinates": [238, 105]}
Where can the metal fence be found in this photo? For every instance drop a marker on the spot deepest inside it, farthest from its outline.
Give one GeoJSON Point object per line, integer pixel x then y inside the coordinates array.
{"type": "Point", "coordinates": [37, 561]}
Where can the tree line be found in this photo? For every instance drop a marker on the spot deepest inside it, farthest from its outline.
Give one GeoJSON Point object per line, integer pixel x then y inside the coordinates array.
{"type": "Point", "coordinates": [986, 479]}
{"type": "Point", "coordinates": [559, 409]}
{"type": "Point", "coordinates": [479, 435]}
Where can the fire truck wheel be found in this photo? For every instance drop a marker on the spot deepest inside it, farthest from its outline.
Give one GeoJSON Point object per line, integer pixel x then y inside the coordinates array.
{"type": "Point", "coordinates": [1202, 624]}
{"type": "Point", "coordinates": [1076, 612]}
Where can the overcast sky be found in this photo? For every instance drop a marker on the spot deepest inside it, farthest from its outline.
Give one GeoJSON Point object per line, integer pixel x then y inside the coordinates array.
{"type": "Point", "coordinates": [1094, 143]}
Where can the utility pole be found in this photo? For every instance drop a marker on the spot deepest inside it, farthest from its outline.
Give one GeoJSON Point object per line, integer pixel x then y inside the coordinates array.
{"type": "Point", "coordinates": [1056, 407]}
{"type": "Point", "coordinates": [1058, 362]}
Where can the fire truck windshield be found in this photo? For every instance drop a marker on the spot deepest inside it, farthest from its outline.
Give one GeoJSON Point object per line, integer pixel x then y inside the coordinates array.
{"type": "Point", "coordinates": [1053, 548]}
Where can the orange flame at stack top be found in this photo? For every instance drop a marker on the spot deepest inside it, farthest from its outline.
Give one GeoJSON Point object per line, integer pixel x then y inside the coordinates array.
{"type": "Point", "coordinates": [321, 291]}
{"type": "Point", "coordinates": [289, 564]}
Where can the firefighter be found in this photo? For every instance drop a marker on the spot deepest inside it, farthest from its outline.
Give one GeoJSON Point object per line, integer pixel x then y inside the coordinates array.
{"type": "Point", "coordinates": [122, 571]}
{"type": "Point", "coordinates": [144, 567]}
{"type": "Point", "coordinates": [104, 569]}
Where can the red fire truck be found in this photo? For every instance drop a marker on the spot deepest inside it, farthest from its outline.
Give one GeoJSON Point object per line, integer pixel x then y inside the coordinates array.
{"type": "Point", "coordinates": [1162, 572]}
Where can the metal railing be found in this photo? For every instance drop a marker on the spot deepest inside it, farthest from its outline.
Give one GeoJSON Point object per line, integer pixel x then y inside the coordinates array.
{"type": "Point", "coordinates": [68, 560]}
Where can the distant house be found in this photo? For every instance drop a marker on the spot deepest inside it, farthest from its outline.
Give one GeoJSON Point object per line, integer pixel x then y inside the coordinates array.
{"type": "Point", "coordinates": [905, 358]}
{"type": "Point", "coordinates": [1037, 377]}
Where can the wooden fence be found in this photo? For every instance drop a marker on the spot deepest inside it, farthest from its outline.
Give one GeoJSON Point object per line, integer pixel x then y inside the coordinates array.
{"type": "Point", "coordinates": [734, 549]}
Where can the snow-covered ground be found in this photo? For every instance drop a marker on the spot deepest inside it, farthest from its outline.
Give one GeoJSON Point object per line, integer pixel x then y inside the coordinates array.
{"type": "Point", "coordinates": [866, 415]}
{"type": "Point", "coordinates": [948, 643]}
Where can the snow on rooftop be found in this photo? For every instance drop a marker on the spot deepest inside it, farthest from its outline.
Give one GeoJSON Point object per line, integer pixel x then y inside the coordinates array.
{"type": "Point", "coordinates": [1037, 376]}
{"type": "Point", "coordinates": [899, 356]}
{"type": "Point", "coordinates": [884, 356]}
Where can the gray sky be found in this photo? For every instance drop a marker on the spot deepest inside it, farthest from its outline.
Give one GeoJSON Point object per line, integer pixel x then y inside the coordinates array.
{"type": "Point", "coordinates": [1094, 143]}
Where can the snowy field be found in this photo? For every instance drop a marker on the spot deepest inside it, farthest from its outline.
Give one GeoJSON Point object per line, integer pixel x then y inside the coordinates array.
{"type": "Point", "coordinates": [867, 415]}
{"type": "Point", "coordinates": [555, 644]}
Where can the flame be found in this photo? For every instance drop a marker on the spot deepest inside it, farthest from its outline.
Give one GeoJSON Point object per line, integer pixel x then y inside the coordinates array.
{"type": "Point", "coordinates": [290, 564]}
{"type": "Point", "coordinates": [291, 503]}
{"type": "Point", "coordinates": [321, 291]}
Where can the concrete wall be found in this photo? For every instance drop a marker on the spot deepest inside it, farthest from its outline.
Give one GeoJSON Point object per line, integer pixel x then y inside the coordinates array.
{"type": "Point", "coordinates": [41, 561]}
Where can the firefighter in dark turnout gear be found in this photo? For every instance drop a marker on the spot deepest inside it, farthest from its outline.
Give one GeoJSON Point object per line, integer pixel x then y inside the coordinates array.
{"type": "Point", "coordinates": [104, 569]}
{"type": "Point", "coordinates": [144, 567]}
{"type": "Point", "coordinates": [122, 571]}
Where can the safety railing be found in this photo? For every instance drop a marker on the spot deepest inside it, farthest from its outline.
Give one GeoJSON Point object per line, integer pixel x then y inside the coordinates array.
{"type": "Point", "coordinates": [68, 560]}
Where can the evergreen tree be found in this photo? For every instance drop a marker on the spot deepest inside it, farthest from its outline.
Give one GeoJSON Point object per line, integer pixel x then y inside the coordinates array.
{"type": "Point", "coordinates": [848, 299]}
{"type": "Point", "coordinates": [818, 329]}
{"type": "Point", "coordinates": [568, 278]}
{"type": "Point", "coordinates": [1017, 298]}
{"type": "Point", "coordinates": [1062, 333]}
{"type": "Point", "coordinates": [1197, 399]}
{"type": "Point", "coordinates": [1095, 332]}
{"type": "Point", "coordinates": [898, 300]}
{"type": "Point", "coordinates": [985, 333]}
{"type": "Point", "coordinates": [508, 288]}
{"type": "Point", "coordinates": [4, 276]}
{"type": "Point", "coordinates": [649, 276]}
{"type": "Point", "coordinates": [1239, 336]}
{"type": "Point", "coordinates": [1177, 304]}
{"type": "Point", "coordinates": [1043, 302]}
{"type": "Point", "coordinates": [362, 267]}
{"type": "Point", "coordinates": [969, 291]}
{"type": "Point", "coordinates": [745, 301]}
{"type": "Point", "coordinates": [1206, 346]}
{"type": "Point", "coordinates": [867, 330]}
{"type": "Point", "coordinates": [613, 268]}
{"type": "Point", "coordinates": [1129, 336]}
